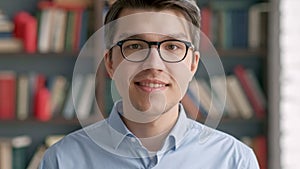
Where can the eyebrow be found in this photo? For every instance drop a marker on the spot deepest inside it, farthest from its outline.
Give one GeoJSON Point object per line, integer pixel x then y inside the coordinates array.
{"type": "Point", "coordinates": [181, 36]}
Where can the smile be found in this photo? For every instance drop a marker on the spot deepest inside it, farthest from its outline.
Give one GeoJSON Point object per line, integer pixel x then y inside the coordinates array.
{"type": "Point", "coordinates": [152, 85]}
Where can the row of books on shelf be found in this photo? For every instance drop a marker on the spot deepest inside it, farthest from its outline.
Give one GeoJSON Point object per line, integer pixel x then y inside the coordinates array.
{"type": "Point", "coordinates": [33, 95]}
{"type": "Point", "coordinates": [25, 96]}
{"type": "Point", "coordinates": [236, 24]}
{"type": "Point", "coordinates": [56, 27]}
{"type": "Point", "coordinates": [244, 96]}
{"type": "Point", "coordinates": [13, 151]}
{"type": "Point", "coordinates": [61, 27]}
{"type": "Point", "coordinates": [7, 43]}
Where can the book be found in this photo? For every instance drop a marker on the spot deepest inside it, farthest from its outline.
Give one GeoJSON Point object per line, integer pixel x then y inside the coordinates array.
{"type": "Point", "coordinates": [87, 97]}
{"type": "Point", "coordinates": [239, 28]}
{"type": "Point", "coordinates": [84, 3]}
{"type": "Point", "coordinates": [11, 45]}
{"type": "Point", "coordinates": [13, 151]}
{"type": "Point", "coordinates": [40, 151]}
{"type": "Point", "coordinates": [58, 94]}
{"type": "Point", "coordinates": [258, 91]}
{"type": "Point", "coordinates": [26, 30]}
{"type": "Point", "coordinates": [206, 22]}
{"type": "Point", "coordinates": [4, 35]}
{"type": "Point", "coordinates": [249, 89]}
{"type": "Point", "coordinates": [5, 153]}
{"type": "Point", "coordinates": [20, 145]}
{"type": "Point", "coordinates": [7, 95]}
{"type": "Point", "coordinates": [45, 29]}
{"type": "Point", "coordinates": [260, 150]}
{"type": "Point", "coordinates": [230, 23]}
{"type": "Point", "coordinates": [192, 105]}
{"type": "Point", "coordinates": [32, 78]}
{"type": "Point", "coordinates": [37, 157]}
{"type": "Point", "coordinates": [5, 24]}
{"type": "Point", "coordinates": [84, 28]}
{"type": "Point", "coordinates": [42, 99]}
{"type": "Point", "coordinates": [239, 97]}
{"type": "Point", "coordinates": [73, 95]}
{"type": "Point", "coordinates": [43, 105]}
{"type": "Point", "coordinates": [57, 42]}
{"type": "Point", "coordinates": [78, 25]}
{"type": "Point", "coordinates": [70, 31]}
{"type": "Point", "coordinates": [233, 111]}
{"type": "Point", "coordinates": [206, 99]}
{"type": "Point", "coordinates": [23, 97]}
{"type": "Point", "coordinates": [220, 90]}
{"type": "Point", "coordinates": [257, 33]}
{"type": "Point", "coordinates": [231, 4]}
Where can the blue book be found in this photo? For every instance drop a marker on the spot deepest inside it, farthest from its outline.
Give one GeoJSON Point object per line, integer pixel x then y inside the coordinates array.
{"type": "Point", "coordinates": [5, 35]}
{"type": "Point", "coordinates": [239, 28]}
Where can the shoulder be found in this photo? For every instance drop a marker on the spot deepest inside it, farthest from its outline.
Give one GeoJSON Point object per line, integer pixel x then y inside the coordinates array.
{"type": "Point", "coordinates": [73, 147]}
{"type": "Point", "coordinates": [208, 134]}
{"type": "Point", "coordinates": [77, 139]}
{"type": "Point", "coordinates": [222, 146]}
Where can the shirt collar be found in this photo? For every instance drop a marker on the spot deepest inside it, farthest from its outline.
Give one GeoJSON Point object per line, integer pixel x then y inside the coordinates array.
{"type": "Point", "coordinates": [118, 125]}
{"type": "Point", "coordinates": [179, 131]}
{"type": "Point", "coordinates": [174, 138]}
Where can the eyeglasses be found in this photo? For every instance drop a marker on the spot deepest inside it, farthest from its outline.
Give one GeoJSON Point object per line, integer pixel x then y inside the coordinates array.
{"type": "Point", "coordinates": [138, 50]}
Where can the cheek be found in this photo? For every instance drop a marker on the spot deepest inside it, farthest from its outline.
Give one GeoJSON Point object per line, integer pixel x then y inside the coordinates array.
{"type": "Point", "coordinates": [117, 59]}
{"type": "Point", "coordinates": [123, 73]}
{"type": "Point", "coordinates": [181, 74]}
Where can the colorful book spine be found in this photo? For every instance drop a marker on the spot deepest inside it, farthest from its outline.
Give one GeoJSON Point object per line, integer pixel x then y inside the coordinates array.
{"type": "Point", "coordinates": [7, 95]}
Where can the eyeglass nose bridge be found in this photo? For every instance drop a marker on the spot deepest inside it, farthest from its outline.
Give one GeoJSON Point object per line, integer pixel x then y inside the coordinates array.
{"type": "Point", "coordinates": [154, 43]}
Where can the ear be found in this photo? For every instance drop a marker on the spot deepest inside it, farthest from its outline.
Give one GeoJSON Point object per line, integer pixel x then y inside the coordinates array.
{"type": "Point", "coordinates": [109, 63]}
{"type": "Point", "coordinates": [195, 61]}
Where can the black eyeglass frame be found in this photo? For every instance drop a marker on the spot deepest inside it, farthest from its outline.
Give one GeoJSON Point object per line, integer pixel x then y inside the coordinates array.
{"type": "Point", "coordinates": [187, 45]}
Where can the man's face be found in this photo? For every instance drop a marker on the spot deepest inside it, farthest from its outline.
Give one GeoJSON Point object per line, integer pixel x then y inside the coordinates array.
{"type": "Point", "coordinates": [153, 85]}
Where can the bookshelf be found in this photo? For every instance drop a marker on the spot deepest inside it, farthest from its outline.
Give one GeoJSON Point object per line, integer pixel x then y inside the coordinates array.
{"type": "Point", "coordinates": [52, 64]}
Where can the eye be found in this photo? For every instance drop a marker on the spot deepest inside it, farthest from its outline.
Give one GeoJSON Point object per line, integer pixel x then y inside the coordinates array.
{"type": "Point", "coordinates": [135, 46]}
{"type": "Point", "coordinates": [171, 47]}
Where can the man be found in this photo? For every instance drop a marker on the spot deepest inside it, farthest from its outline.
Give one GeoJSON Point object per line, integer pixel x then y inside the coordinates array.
{"type": "Point", "coordinates": [151, 56]}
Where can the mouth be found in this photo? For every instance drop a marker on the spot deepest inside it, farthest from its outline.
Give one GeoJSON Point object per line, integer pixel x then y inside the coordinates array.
{"type": "Point", "coordinates": [149, 86]}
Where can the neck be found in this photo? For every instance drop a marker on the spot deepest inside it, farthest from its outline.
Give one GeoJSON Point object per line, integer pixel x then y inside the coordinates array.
{"type": "Point", "coordinates": [153, 134]}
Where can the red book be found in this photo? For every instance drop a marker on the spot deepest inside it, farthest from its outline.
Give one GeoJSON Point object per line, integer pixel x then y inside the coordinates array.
{"type": "Point", "coordinates": [260, 149]}
{"type": "Point", "coordinates": [206, 21]}
{"type": "Point", "coordinates": [39, 84]}
{"type": "Point", "coordinates": [77, 32]}
{"type": "Point", "coordinates": [257, 106]}
{"type": "Point", "coordinates": [43, 107]}
{"type": "Point", "coordinates": [7, 95]}
{"type": "Point", "coordinates": [26, 29]}
{"type": "Point", "coordinates": [206, 29]}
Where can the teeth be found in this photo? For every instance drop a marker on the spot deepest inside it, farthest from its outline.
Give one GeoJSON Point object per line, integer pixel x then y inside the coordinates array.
{"type": "Point", "coordinates": [153, 85]}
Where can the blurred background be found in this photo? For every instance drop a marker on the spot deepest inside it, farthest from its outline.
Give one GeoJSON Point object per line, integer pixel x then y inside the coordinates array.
{"type": "Point", "coordinates": [256, 39]}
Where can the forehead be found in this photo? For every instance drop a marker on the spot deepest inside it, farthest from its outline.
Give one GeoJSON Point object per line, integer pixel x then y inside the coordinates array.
{"type": "Point", "coordinates": [167, 22]}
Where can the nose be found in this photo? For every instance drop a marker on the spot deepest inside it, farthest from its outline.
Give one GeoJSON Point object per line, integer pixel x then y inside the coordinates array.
{"type": "Point", "coordinates": [154, 61]}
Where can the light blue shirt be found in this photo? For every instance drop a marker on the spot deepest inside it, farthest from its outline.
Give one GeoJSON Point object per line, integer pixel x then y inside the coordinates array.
{"type": "Point", "coordinates": [108, 144]}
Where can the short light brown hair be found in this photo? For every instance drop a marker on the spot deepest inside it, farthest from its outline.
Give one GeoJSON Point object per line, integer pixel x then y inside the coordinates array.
{"type": "Point", "coordinates": [188, 8]}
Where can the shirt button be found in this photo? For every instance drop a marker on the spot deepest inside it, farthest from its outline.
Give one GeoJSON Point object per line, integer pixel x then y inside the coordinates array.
{"type": "Point", "coordinates": [132, 139]}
